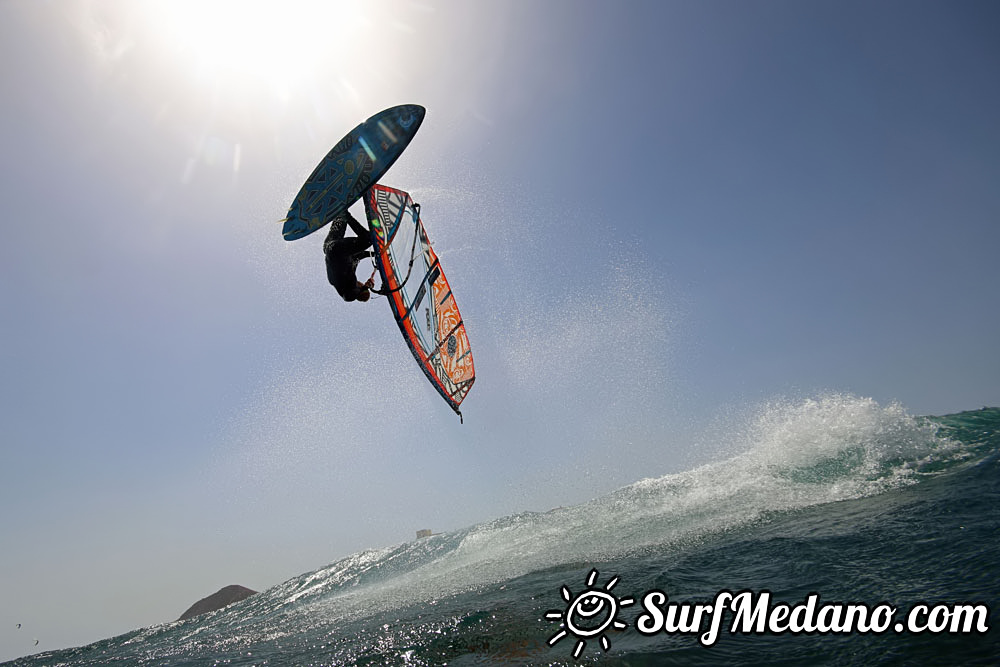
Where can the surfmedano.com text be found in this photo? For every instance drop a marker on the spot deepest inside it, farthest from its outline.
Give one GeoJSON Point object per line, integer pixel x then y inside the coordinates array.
{"type": "Point", "coordinates": [754, 613]}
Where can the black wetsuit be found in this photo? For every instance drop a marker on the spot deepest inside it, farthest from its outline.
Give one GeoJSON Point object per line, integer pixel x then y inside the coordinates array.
{"type": "Point", "coordinates": [343, 255]}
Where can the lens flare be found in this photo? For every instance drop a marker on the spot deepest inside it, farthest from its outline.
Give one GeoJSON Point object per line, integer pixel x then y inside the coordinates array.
{"type": "Point", "coordinates": [254, 41]}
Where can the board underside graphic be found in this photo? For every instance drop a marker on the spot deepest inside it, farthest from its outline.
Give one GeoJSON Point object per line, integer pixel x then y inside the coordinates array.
{"type": "Point", "coordinates": [351, 167]}
{"type": "Point", "coordinates": [421, 298]}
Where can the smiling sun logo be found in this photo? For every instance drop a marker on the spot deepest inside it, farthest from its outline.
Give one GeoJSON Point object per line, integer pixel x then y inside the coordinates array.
{"type": "Point", "coordinates": [589, 614]}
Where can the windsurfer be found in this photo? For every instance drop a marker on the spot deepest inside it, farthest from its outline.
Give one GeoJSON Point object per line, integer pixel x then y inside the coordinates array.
{"type": "Point", "coordinates": [343, 255]}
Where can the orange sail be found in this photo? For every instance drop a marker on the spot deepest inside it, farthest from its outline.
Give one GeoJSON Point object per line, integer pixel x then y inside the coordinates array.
{"type": "Point", "coordinates": [421, 298]}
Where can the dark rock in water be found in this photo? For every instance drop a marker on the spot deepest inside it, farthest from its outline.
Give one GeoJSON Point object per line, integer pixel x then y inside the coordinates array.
{"type": "Point", "coordinates": [223, 598]}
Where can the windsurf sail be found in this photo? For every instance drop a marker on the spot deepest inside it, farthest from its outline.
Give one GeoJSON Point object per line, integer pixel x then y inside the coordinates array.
{"type": "Point", "coordinates": [421, 298]}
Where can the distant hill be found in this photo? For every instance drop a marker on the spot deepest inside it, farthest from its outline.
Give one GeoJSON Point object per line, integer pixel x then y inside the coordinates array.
{"type": "Point", "coordinates": [223, 598]}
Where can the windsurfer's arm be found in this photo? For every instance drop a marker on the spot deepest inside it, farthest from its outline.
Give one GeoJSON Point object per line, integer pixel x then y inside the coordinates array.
{"type": "Point", "coordinates": [362, 254]}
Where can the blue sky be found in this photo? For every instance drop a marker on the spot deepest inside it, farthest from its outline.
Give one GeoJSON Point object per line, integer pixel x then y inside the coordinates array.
{"type": "Point", "coordinates": [654, 216]}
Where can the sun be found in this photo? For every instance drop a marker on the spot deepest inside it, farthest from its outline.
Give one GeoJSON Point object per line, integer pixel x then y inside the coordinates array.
{"type": "Point", "coordinates": [277, 44]}
{"type": "Point", "coordinates": [589, 614]}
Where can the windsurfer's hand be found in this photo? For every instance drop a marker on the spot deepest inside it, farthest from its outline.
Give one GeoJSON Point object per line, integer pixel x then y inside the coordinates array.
{"type": "Point", "coordinates": [370, 283]}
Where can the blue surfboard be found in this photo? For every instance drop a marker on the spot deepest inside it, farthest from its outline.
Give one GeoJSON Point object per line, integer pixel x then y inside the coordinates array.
{"type": "Point", "coordinates": [355, 164]}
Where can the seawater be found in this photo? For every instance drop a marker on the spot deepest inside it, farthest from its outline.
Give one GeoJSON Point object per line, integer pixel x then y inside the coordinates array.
{"type": "Point", "coordinates": [837, 496]}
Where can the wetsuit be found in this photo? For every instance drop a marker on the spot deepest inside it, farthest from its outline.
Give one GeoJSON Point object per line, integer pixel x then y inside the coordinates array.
{"type": "Point", "coordinates": [343, 255]}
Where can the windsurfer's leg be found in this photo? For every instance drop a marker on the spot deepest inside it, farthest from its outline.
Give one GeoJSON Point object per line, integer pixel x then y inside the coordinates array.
{"type": "Point", "coordinates": [338, 227]}
{"type": "Point", "coordinates": [359, 229]}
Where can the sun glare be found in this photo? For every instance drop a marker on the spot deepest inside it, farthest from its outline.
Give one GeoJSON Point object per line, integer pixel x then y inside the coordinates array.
{"type": "Point", "coordinates": [253, 42]}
